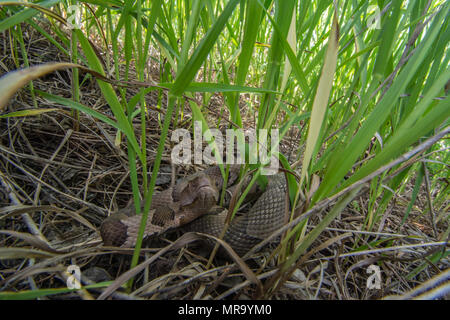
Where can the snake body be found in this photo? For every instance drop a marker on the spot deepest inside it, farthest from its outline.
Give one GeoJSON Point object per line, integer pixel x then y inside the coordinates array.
{"type": "Point", "coordinates": [189, 204]}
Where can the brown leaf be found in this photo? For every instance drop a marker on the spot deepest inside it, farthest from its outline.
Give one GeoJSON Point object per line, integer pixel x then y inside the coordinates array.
{"type": "Point", "coordinates": [11, 82]}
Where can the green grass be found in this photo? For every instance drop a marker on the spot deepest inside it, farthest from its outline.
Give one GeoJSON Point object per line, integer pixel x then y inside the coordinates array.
{"type": "Point", "coordinates": [320, 70]}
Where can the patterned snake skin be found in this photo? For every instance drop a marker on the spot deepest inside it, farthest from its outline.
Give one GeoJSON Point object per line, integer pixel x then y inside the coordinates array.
{"type": "Point", "coordinates": [189, 203]}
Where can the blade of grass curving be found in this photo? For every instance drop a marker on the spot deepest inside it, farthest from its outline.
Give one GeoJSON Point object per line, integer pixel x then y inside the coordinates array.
{"type": "Point", "coordinates": [338, 168]}
{"type": "Point", "coordinates": [109, 94]}
{"type": "Point", "coordinates": [293, 60]}
{"type": "Point", "coordinates": [80, 107]}
{"type": "Point", "coordinates": [322, 95]}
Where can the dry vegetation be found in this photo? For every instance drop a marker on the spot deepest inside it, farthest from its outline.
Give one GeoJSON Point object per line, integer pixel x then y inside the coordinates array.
{"type": "Point", "coordinates": [61, 176]}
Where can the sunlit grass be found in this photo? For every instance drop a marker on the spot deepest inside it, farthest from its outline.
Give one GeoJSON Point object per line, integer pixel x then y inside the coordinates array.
{"type": "Point", "coordinates": [361, 96]}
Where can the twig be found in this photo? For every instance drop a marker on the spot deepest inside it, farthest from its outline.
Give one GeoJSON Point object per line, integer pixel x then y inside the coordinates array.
{"type": "Point", "coordinates": [39, 185]}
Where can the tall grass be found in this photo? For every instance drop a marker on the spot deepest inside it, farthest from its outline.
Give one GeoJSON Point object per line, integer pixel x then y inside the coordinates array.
{"type": "Point", "coordinates": [365, 93]}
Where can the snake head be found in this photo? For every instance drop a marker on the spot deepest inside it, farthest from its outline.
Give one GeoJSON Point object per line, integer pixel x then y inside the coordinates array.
{"type": "Point", "coordinates": [198, 193]}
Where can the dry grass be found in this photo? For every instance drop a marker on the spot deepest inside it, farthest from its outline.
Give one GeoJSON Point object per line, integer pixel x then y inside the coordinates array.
{"type": "Point", "coordinates": [69, 180]}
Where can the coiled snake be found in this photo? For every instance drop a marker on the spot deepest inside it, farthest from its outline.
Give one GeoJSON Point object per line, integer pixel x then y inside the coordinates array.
{"type": "Point", "coordinates": [189, 202]}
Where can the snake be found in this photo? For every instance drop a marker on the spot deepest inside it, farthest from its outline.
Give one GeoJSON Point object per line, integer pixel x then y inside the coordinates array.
{"type": "Point", "coordinates": [189, 204]}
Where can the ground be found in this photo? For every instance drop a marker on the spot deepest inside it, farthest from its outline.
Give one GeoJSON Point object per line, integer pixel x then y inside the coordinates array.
{"type": "Point", "coordinates": [63, 176]}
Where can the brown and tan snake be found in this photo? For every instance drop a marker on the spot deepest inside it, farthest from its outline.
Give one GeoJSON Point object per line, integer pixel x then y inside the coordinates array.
{"type": "Point", "coordinates": [190, 201]}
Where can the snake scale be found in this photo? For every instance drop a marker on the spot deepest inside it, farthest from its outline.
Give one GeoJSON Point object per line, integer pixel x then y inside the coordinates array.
{"type": "Point", "coordinates": [189, 203]}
